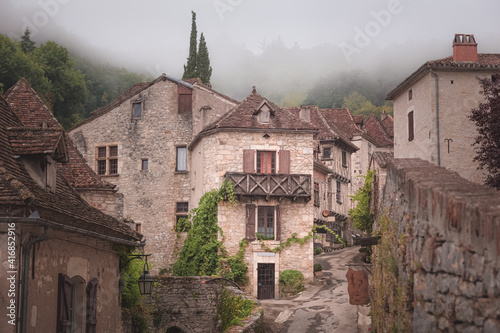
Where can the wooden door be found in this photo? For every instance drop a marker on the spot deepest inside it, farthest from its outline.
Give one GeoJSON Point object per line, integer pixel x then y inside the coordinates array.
{"type": "Point", "coordinates": [265, 281]}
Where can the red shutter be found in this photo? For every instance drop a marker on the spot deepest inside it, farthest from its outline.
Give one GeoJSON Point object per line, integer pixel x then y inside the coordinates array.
{"type": "Point", "coordinates": [278, 223]}
{"type": "Point", "coordinates": [284, 165]}
{"type": "Point", "coordinates": [249, 160]}
{"type": "Point", "coordinates": [250, 223]}
{"type": "Point", "coordinates": [91, 322]}
{"type": "Point", "coordinates": [64, 306]}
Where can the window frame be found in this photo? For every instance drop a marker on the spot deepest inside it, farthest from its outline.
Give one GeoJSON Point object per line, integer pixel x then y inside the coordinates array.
{"type": "Point", "coordinates": [317, 200]}
{"type": "Point", "coordinates": [344, 159]}
{"type": "Point", "coordinates": [323, 155]}
{"type": "Point", "coordinates": [134, 115]}
{"type": "Point", "coordinates": [411, 125]}
{"type": "Point", "coordinates": [260, 154]}
{"type": "Point", "coordinates": [144, 164]}
{"type": "Point", "coordinates": [265, 212]}
{"type": "Point", "coordinates": [107, 165]}
{"type": "Point", "coordinates": [410, 94]}
{"type": "Point", "coordinates": [181, 211]}
{"type": "Point", "coordinates": [338, 193]}
{"type": "Point", "coordinates": [177, 161]}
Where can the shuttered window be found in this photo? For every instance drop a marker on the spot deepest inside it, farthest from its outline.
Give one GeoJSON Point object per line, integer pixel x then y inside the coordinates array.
{"type": "Point", "coordinates": [284, 162]}
{"type": "Point", "coordinates": [265, 219]}
{"type": "Point", "coordinates": [185, 99]}
{"type": "Point", "coordinates": [91, 320]}
{"type": "Point", "coordinates": [411, 129]}
{"type": "Point", "coordinates": [278, 223]}
{"type": "Point", "coordinates": [250, 222]}
{"type": "Point", "coordinates": [249, 161]}
{"type": "Point", "coordinates": [64, 304]}
{"type": "Point", "coordinates": [266, 162]}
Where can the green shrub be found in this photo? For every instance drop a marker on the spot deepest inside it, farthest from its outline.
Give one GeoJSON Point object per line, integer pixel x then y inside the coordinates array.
{"type": "Point", "coordinates": [130, 275]}
{"type": "Point", "coordinates": [317, 251]}
{"type": "Point", "coordinates": [233, 309]}
{"type": "Point", "coordinates": [260, 236]}
{"type": "Point", "coordinates": [292, 279]}
{"type": "Point", "coordinates": [318, 267]}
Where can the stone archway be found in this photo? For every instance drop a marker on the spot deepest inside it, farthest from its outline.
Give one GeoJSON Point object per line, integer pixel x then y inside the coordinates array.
{"type": "Point", "coordinates": [175, 329]}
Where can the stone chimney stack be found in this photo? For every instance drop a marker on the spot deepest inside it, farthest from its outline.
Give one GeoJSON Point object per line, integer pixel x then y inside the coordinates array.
{"type": "Point", "coordinates": [464, 48]}
{"type": "Point", "coordinates": [305, 113]}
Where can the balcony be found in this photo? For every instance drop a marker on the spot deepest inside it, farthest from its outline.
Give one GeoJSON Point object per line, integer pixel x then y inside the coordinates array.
{"type": "Point", "coordinates": [271, 185]}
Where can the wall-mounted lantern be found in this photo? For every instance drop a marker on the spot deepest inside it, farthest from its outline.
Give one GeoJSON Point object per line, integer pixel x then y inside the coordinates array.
{"type": "Point", "coordinates": [146, 280]}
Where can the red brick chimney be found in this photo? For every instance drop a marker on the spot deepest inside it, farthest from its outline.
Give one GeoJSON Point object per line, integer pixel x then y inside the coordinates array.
{"type": "Point", "coordinates": [464, 48]}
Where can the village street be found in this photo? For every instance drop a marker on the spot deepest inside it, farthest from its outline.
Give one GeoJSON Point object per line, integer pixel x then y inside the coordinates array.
{"type": "Point", "coordinates": [323, 306]}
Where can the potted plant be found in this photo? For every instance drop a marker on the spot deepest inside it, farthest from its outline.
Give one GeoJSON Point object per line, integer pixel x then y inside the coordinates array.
{"type": "Point", "coordinates": [318, 271]}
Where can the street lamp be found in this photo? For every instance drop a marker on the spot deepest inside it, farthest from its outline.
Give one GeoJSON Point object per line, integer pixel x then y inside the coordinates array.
{"type": "Point", "coordinates": [146, 280]}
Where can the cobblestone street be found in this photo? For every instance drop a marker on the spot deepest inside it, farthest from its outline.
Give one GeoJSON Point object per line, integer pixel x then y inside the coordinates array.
{"type": "Point", "coordinates": [323, 306]}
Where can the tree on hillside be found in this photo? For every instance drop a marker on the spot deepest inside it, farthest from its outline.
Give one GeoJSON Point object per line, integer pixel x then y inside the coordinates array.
{"type": "Point", "coordinates": [487, 119]}
{"type": "Point", "coordinates": [15, 64]}
{"type": "Point", "coordinates": [27, 45]}
{"type": "Point", "coordinates": [203, 68]}
{"type": "Point", "coordinates": [190, 67]}
{"type": "Point", "coordinates": [360, 105]}
{"type": "Point", "coordinates": [68, 84]}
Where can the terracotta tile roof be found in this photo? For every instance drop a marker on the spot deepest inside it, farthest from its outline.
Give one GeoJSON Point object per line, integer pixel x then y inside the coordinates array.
{"type": "Point", "coordinates": [485, 62]}
{"type": "Point", "coordinates": [20, 193]}
{"type": "Point", "coordinates": [376, 131]}
{"type": "Point", "coordinates": [30, 109]}
{"type": "Point", "coordinates": [382, 158]}
{"type": "Point", "coordinates": [358, 120]}
{"type": "Point", "coordinates": [329, 128]}
{"type": "Point", "coordinates": [344, 121]}
{"type": "Point", "coordinates": [388, 125]}
{"type": "Point", "coordinates": [244, 116]}
{"type": "Point", "coordinates": [29, 141]}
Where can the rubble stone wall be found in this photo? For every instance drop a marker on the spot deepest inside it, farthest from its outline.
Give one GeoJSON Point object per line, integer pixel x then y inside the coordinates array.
{"type": "Point", "coordinates": [448, 232]}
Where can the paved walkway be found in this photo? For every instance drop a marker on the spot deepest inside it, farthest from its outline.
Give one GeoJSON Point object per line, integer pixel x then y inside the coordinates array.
{"type": "Point", "coordinates": [323, 306]}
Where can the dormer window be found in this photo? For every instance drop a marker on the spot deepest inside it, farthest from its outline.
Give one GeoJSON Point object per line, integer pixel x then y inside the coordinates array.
{"type": "Point", "coordinates": [264, 116]}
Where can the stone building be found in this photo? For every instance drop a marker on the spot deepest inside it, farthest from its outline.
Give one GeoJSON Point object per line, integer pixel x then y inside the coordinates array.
{"type": "Point", "coordinates": [139, 144]}
{"type": "Point", "coordinates": [60, 272]}
{"type": "Point", "coordinates": [431, 108]}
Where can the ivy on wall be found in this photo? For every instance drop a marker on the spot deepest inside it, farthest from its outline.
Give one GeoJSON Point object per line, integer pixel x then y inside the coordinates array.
{"type": "Point", "coordinates": [361, 215]}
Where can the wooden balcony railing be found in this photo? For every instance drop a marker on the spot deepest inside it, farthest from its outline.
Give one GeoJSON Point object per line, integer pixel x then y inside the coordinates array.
{"type": "Point", "coordinates": [271, 185]}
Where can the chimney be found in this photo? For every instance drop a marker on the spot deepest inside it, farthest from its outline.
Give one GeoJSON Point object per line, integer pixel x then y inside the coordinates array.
{"type": "Point", "coordinates": [464, 48]}
{"type": "Point", "coordinates": [305, 113]}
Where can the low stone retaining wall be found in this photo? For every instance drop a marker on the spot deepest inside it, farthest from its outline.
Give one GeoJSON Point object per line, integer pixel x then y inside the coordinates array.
{"type": "Point", "coordinates": [190, 304]}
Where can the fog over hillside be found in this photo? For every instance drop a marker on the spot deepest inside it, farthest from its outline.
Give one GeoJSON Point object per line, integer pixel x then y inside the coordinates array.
{"type": "Point", "coordinates": [282, 47]}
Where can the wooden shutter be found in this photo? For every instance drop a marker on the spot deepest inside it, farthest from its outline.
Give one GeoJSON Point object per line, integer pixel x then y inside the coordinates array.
{"type": "Point", "coordinates": [284, 164]}
{"type": "Point", "coordinates": [249, 160]}
{"type": "Point", "coordinates": [64, 304]}
{"type": "Point", "coordinates": [250, 223]}
{"type": "Point", "coordinates": [185, 99]}
{"type": "Point", "coordinates": [411, 131]}
{"type": "Point", "coordinates": [91, 321]}
{"type": "Point", "coordinates": [278, 223]}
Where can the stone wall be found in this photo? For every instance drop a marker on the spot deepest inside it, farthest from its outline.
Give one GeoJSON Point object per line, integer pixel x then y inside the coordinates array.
{"type": "Point", "coordinates": [190, 304]}
{"type": "Point", "coordinates": [444, 235]}
{"type": "Point", "coordinates": [107, 201]}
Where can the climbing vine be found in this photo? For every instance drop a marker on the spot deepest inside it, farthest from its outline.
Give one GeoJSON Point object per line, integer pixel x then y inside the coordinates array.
{"type": "Point", "coordinates": [200, 254]}
{"type": "Point", "coordinates": [238, 269]}
{"type": "Point", "coordinates": [361, 215]}
{"type": "Point", "coordinates": [316, 227]}
{"type": "Point", "coordinates": [287, 243]}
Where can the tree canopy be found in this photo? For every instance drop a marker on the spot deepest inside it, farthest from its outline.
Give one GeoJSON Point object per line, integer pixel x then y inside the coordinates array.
{"type": "Point", "coordinates": [190, 67]}
{"type": "Point", "coordinates": [487, 119]}
{"type": "Point", "coordinates": [203, 68]}
{"type": "Point", "coordinates": [198, 61]}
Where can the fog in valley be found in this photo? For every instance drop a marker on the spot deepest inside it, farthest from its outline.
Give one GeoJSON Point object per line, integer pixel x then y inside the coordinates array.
{"type": "Point", "coordinates": [284, 48]}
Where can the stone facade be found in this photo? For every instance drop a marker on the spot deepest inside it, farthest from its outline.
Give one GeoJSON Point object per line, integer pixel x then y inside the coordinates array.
{"type": "Point", "coordinates": [222, 152]}
{"type": "Point", "coordinates": [446, 237]}
{"type": "Point", "coordinates": [150, 196]}
{"type": "Point", "coordinates": [440, 96]}
{"type": "Point", "coordinates": [80, 259]}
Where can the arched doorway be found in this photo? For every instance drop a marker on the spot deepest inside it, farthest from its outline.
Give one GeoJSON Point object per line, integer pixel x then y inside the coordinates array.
{"type": "Point", "coordinates": [174, 329]}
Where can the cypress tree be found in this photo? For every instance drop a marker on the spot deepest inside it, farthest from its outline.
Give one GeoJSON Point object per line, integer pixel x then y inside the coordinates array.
{"type": "Point", "coordinates": [203, 68]}
{"type": "Point", "coordinates": [190, 67]}
{"type": "Point", "coordinates": [27, 45]}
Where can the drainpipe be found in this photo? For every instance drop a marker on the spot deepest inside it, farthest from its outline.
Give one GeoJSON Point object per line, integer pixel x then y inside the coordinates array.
{"type": "Point", "coordinates": [437, 117]}
{"type": "Point", "coordinates": [25, 278]}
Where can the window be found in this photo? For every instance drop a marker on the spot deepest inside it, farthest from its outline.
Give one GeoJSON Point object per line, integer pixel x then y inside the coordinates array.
{"type": "Point", "coordinates": [327, 153]}
{"type": "Point", "coordinates": [411, 133]}
{"type": "Point", "coordinates": [316, 194]}
{"type": "Point", "coordinates": [107, 160]}
{"type": "Point", "coordinates": [138, 227]}
{"type": "Point", "coordinates": [137, 110]}
{"type": "Point", "coordinates": [339, 192]}
{"type": "Point", "coordinates": [265, 222]}
{"type": "Point", "coordinates": [181, 215]}
{"type": "Point", "coordinates": [74, 313]}
{"type": "Point", "coordinates": [181, 159]}
{"type": "Point", "coordinates": [185, 99]}
{"type": "Point", "coordinates": [266, 162]}
{"type": "Point", "coordinates": [344, 158]}
{"type": "Point", "coordinates": [144, 164]}
{"type": "Point", "coordinates": [264, 116]}
{"type": "Point", "coordinates": [410, 94]}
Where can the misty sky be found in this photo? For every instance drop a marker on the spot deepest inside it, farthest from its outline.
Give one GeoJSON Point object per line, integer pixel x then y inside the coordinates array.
{"type": "Point", "coordinates": [153, 35]}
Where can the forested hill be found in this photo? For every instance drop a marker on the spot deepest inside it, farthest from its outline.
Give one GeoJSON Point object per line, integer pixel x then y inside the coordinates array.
{"type": "Point", "coordinates": [71, 87]}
